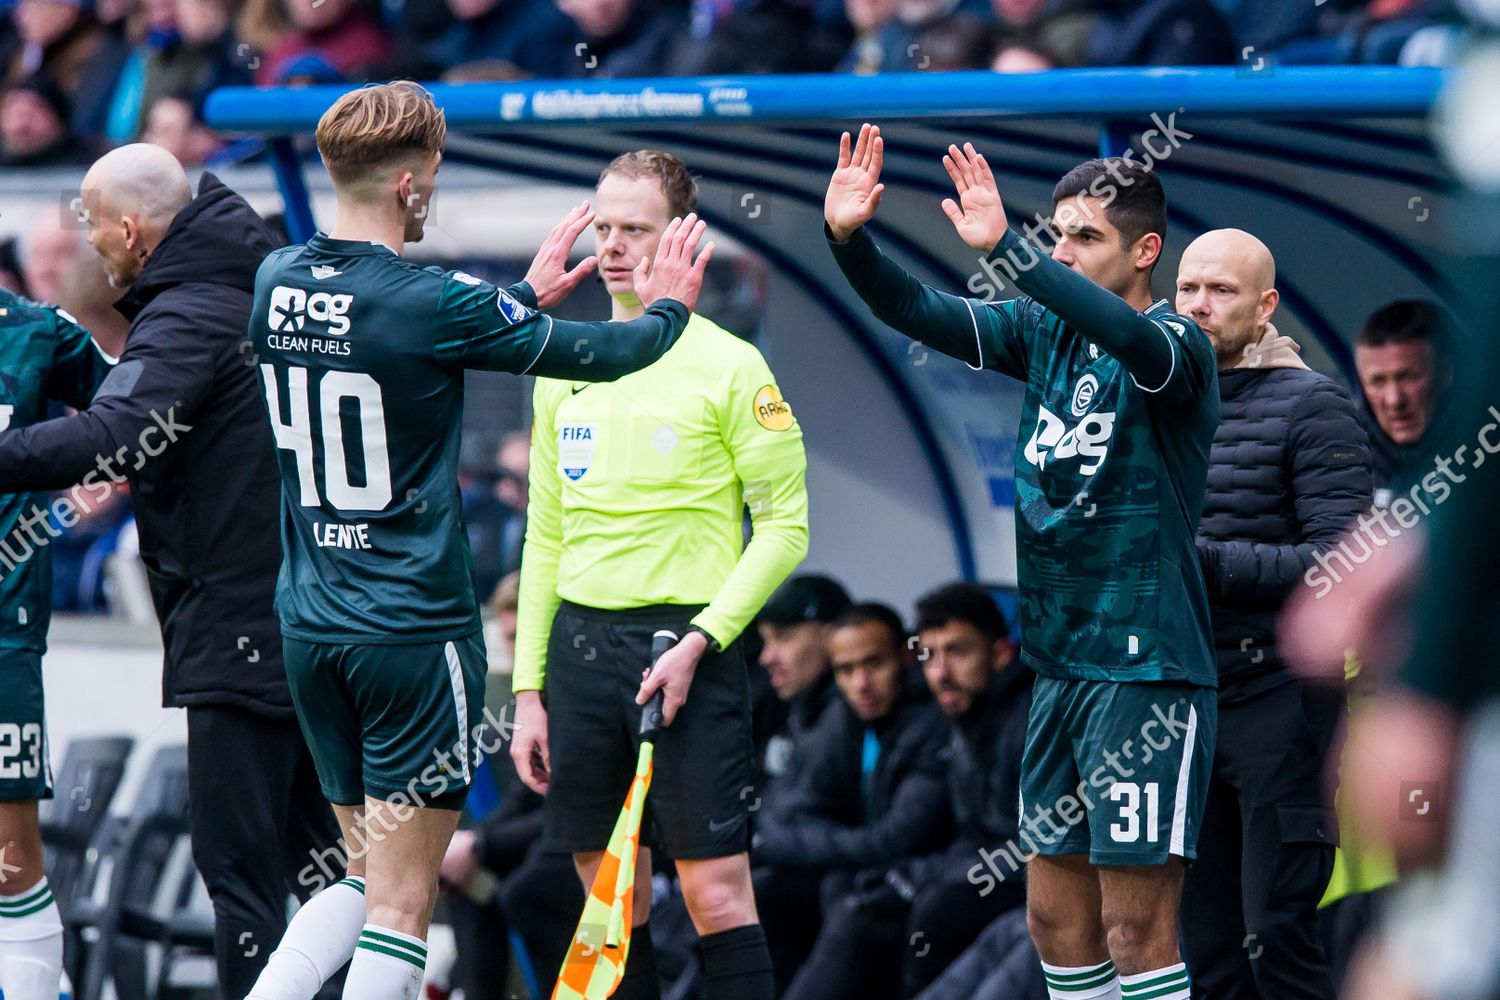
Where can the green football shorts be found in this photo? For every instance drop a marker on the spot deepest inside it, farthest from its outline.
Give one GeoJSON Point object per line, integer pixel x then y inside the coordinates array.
{"type": "Point", "coordinates": [394, 722]}
{"type": "Point", "coordinates": [1117, 771]}
{"type": "Point", "coordinates": [25, 774]}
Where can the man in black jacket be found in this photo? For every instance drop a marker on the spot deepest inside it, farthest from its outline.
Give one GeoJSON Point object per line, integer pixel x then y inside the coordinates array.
{"type": "Point", "coordinates": [182, 419]}
{"type": "Point", "coordinates": [1289, 471]}
{"type": "Point", "coordinates": [872, 795]}
{"type": "Point", "coordinates": [985, 693]}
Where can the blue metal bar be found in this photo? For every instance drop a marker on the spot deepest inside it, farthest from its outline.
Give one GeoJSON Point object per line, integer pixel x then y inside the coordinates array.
{"type": "Point", "coordinates": [287, 167]}
{"type": "Point", "coordinates": [1114, 138]}
{"type": "Point", "coordinates": [1365, 91]}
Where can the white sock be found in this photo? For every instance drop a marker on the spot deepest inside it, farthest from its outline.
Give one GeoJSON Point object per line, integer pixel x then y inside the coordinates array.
{"type": "Point", "coordinates": [31, 945]}
{"type": "Point", "coordinates": [1170, 983]}
{"type": "Point", "coordinates": [1085, 982]}
{"type": "Point", "coordinates": [387, 966]}
{"type": "Point", "coordinates": [317, 943]}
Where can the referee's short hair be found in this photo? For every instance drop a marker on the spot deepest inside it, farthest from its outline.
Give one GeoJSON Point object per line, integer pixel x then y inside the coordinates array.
{"type": "Point", "coordinates": [670, 172]}
{"type": "Point", "coordinates": [965, 602]}
{"type": "Point", "coordinates": [873, 613]}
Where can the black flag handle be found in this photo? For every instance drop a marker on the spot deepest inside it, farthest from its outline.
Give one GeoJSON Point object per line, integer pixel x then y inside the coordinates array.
{"type": "Point", "coordinates": [651, 715]}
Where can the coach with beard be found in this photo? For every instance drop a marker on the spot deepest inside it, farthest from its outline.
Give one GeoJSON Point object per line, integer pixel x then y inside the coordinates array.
{"type": "Point", "coordinates": [181, 418]}
{"type": "Point", "coordinates": [1288, 472]}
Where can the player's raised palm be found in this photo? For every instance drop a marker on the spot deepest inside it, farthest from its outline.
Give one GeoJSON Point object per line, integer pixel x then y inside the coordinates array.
{"type": "Point", "coordinates": [978, 214]}
{"type": "Point", "coordinates": [854, 190]}
{"type": "Point", "coordinates": [672, 273]}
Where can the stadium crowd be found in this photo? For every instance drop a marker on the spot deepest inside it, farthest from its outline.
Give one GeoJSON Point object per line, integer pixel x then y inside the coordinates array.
{"type": "Point", "coordinates": [79, 76]}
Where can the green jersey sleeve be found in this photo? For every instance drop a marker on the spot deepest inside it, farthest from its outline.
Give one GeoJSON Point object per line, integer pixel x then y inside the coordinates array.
{"type": "Point", "coordinates": [538, 600]}
{"type": "Point", "coordinates": [978, 333]}
{"type": "Point", "coordinates": [764, 441]}
{"type": "Point", "coordinates": [78, 365]}
{"type": "Point", "coordinates": [496, 329]}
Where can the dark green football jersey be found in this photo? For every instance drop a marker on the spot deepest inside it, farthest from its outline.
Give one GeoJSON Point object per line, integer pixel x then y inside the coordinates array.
{"type": "Point", "coordinates": [1111, 464]}
{"type": "Point", "coordinates": [362, 355]}
{"type": "Point", "coordinates": [44, 356]}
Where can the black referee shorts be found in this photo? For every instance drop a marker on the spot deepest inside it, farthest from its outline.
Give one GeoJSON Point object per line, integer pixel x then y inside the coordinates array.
{"type": "Point", "coordinates": [697, 807]}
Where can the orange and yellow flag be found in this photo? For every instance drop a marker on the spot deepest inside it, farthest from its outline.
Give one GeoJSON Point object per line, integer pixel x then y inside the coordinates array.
{"type": "Point", "coordinates": [596, 958]}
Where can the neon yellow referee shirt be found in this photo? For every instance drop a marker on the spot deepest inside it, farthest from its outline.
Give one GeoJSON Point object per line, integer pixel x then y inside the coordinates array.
{"type": "Point", "coordinates": [638, 488]}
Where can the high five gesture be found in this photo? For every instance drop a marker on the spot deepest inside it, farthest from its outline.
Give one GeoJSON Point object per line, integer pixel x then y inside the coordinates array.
{"type": "Point", "coordinates": [854, 190]}
{"type": "Point", "coordinates": [978, 215]}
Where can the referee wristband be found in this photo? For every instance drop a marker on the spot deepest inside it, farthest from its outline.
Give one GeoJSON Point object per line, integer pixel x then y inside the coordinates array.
{"type": "Point", "coordinates": [713, 644]}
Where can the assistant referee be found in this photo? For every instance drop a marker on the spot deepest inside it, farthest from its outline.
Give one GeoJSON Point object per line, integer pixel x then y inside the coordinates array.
{"type": "Point", "coordinates": [638, 492]}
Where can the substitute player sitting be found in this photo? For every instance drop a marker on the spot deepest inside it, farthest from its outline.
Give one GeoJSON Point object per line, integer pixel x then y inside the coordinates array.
{"type": "Point", "coordinates": [362, 355]}
{"type": "Point", "coordinates": [1120, 409]}
{"type": "Point", "coordinates": [638, 490]}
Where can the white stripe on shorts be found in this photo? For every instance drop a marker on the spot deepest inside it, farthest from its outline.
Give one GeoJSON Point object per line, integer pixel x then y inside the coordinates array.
{"type": "Point", "coordinates": [1179, 804]}
{"type": "Point", "coordinates": [460, 703]}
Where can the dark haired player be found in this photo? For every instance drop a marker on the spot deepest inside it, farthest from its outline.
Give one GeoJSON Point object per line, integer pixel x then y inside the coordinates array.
{"type": "Point", "coordinates": [1120, 410]}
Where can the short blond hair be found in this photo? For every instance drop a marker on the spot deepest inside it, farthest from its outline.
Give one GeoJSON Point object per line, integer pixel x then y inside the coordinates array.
{"type": "Point", "coordinates": [379, 125]}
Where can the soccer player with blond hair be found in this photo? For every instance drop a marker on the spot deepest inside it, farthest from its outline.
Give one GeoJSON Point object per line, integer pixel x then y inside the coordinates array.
{"type": "Point", "coordinates": [362, 355]}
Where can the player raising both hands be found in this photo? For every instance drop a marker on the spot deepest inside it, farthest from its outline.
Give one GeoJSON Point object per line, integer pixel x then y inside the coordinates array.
{"type": "Point", "coordinates": [1120, 410]}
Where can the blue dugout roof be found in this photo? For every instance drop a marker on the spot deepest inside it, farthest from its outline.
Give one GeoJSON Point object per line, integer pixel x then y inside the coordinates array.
{"type": "Point", "coordinates": [1332, 167]}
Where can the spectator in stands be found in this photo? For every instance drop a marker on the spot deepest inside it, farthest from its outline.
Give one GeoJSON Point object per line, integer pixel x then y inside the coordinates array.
{"type": "Point", "coordinates": [1403, 357]}
{"type": "Point", "coordinates": [49, 252]}
{"type": "Point", "coordinates": [1159, 33]}
{"type": "Point", "coordinates": [868, 19]}
{"type": "Point", "coordinates": [34, 129]}
{"type": "Point", "coordinates": [56, 37]}
{"type": "Point", "coordinates": [872, 796]}
{"type": "Point", "coordinates": [624, 37]}
{"type": "Point", "coordinates": [1057, 31]}
{"type": "Point", "coordinates": [746, 37]}
{"type": "Point", "coordinates": [959, 41]}
{"type": "Point", "coordinates": [506, 40]}
{"type": "Point", "coordinates": [537, 894]}
{"type": "Point", "coordinates": [85, 291]}
{"type": "Point", "coordinates": [172, 124]}
{"type": "Point", "coordinates": [343, 32]}
{"type": "Point", "coordinates": [495, 512]}
{"type": "Point", "coordinates": [199, 54]}
{"type": "Point", "coordinates": [119, 21]}
{"type": "Point", "coordinates": [900, 39]}
{"type": "Point", "coordinates": [1288, 473]}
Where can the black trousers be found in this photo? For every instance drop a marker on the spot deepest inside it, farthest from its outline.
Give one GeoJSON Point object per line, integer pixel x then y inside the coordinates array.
{"type": "Point", "coordinates": [874, 945]}
{"type": "Point", "coordinates": [257, 820]}
{"type": "Point", "coordinates": [542, 900]}
{"type": "Point", "coordinates": [1265, 851]}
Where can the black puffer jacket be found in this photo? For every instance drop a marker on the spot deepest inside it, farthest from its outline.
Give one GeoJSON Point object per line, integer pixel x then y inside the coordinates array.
{"type": "Point", "coordinates": [183, 419]}
{"type": "Point", "coordinates": [984, 776]}
{"type": "Point", "coordinates": [1289, 472]}
{"type": "Point", "coordinates": [831, 824]}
